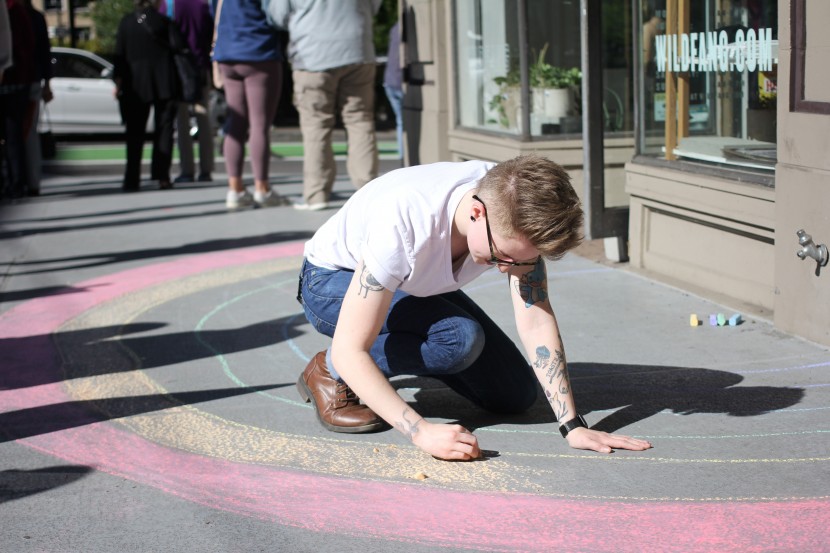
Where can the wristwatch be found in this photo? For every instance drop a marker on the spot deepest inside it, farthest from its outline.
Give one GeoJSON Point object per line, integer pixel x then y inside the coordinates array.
{"type": "Point", "coordinates": [575, 422]}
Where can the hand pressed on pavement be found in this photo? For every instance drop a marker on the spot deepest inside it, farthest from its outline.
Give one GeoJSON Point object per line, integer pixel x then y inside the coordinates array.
{"type": "Point", "coordinates": [603, 442]}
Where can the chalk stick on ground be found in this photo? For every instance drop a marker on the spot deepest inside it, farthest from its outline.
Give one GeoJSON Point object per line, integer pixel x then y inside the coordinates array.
{"type": "Point", "coordinates": [713, 320]}
{"type": "Point", "coordinates": [693, 321]}
{"type": "Point", "coordinates": [735, 319]}
{"type": "Point", "coordinates": [721, 319]}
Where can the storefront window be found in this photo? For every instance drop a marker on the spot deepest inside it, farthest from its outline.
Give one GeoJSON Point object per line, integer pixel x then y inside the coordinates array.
{"type": "Point", "coordinates": [488, 54]}
{"type": "Point", "coordinates": [708, 81]}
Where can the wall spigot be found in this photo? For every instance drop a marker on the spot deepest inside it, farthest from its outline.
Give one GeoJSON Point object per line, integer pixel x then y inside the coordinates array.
{"type": "Point", "coordinates": [810, 249]}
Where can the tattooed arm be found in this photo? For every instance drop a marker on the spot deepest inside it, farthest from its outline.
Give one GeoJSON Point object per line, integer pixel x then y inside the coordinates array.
{"type": "Point", "coordinates": [539, 333]}
{"type": "Point", "coordinates": [364, 310]}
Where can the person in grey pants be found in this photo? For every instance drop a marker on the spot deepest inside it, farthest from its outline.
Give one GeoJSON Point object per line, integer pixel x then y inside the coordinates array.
{"type": "Point", "coordinates": [193, 19]}
{"type": "Point", "coordinates": [332, 55]}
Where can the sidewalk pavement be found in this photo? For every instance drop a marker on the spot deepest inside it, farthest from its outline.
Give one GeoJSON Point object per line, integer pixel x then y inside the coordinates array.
{"type": "Point", "coordinates": [149, 346]}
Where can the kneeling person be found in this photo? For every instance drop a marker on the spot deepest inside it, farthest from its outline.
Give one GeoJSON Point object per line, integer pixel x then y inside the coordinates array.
{"type": "Point", "coordinates": [383, 278]}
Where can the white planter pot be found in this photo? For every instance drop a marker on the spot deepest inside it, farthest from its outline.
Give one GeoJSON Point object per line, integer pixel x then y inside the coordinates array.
{"type": "Point", "coordinates": [553, 103]}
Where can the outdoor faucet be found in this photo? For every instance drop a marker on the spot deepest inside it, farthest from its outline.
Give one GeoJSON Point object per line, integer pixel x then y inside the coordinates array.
{"type": "Point", "coordinates": [810, 249]}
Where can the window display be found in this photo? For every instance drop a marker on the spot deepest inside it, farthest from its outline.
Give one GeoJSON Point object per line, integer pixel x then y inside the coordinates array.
{"type": "Point", "coordinates": [488, 54]}
{"type": "Point", "coordinates": [489, 47]}
{"type": "Point", "coordinates": [709, 81]}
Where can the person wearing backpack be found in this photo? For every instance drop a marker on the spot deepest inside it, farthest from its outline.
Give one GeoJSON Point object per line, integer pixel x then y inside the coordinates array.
{"type": "Point", "coordinates": [194, 21]}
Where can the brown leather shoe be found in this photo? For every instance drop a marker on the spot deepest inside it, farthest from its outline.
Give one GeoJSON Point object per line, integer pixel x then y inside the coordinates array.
{"type": "Point", "coordinates": [338, 408]}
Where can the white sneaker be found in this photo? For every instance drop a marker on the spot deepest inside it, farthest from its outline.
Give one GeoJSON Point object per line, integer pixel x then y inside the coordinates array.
{"type": "Point", "coordinates": [312, 207]}
{"type": "Point", "coordinates": [238, 200]}
{"type": "Point", "coordinates": [269, 199]}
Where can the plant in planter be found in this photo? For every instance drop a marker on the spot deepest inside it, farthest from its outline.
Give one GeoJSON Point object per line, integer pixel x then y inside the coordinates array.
{"type": "Point", "coordinates": [552, 91]}
{"type": "Point", "coordinates": [553, 87]}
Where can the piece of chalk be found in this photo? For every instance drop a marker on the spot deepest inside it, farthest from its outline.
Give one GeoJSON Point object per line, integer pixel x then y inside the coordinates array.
{"type": "Point", "coordinates": [735, 319]}
{"type": "Point", "coordinates": [693, 320]}
{"type": "Point", "coordinates": [721, 319]}
{"type": "Point", "coordinates": [713, 320]}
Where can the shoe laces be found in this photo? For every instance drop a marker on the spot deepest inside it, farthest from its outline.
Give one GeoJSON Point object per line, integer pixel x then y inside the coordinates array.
{"type": "Point", "coordinates": [345, 394]}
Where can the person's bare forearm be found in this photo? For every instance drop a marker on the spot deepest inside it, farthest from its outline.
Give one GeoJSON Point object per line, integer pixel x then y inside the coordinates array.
{"type": "Point", "coordinates": [359, 371]}
{"type": "Point", "coordinates": [551, 369]}
{"type": "Point", "coordinates": [546, 353]}
{"type": "Point", "coordinates": [364, 310]}
{"type": "Point", "coordinates": [361, 317]}
{"type": "Point", "coordinates": [540, 336]}
{"type": "Point", "coordinates": [443, 441]}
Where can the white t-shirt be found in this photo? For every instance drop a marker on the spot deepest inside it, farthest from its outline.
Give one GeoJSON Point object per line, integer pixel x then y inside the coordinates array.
{"type": "Point", "coordinates": [400, 225]}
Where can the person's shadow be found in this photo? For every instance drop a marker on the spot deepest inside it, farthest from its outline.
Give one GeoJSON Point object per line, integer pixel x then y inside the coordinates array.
{"type": "Point", "coordinates": [632, 392]}
{"type": "Point", "coordinates": [20, 483]}
{"type": "Point", "coordinates": [30, 360]}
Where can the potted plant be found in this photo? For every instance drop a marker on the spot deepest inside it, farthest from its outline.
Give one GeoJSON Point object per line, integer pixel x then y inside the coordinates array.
{"type": "Point", "coordinates": [552, 91]}
{"type": "Point", "coordinates": [553, 87]}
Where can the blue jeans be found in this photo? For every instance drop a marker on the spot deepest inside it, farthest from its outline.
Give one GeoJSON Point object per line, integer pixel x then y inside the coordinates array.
{"type": "Point", "coordinates": [447, 337]}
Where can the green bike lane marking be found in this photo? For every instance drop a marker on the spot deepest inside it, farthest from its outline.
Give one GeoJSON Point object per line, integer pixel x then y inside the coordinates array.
{"type": "Point", "coordinates": [116, 152]}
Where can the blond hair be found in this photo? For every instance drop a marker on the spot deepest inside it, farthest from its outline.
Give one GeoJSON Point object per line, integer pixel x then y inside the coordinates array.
{"type": "Point", "coordinates": [532, 197]}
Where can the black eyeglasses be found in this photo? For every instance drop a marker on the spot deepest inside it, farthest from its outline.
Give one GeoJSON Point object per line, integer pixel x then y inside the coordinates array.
{"type": "Point", "coordinates": [497, 260]}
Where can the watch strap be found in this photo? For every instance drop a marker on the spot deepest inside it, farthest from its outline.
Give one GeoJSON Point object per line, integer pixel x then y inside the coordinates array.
{"type": "Point", "coordinates": [575, 422]}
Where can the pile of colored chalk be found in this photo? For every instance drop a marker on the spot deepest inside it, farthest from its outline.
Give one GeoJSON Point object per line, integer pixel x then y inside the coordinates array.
{"type": "Point", "coordinates": [718, 319]}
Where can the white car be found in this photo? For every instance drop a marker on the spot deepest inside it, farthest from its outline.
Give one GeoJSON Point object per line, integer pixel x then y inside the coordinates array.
{"type": "Point", "coordinates": [83, 95]}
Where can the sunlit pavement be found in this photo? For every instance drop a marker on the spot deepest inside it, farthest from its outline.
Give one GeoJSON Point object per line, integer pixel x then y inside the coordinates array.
{"type": "Point", "coordinates": [149, 346]}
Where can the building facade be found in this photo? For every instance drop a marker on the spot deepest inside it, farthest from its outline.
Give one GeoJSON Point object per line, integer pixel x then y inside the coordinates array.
{"type": "Point", "coordinates": [696, 131]}
{"type": "Point", "coordinates": [64, 22]}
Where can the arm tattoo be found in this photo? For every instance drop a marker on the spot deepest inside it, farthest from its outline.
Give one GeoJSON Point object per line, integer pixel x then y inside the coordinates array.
{"type": "Point", "coordinates": [557, 367]}
{"type": "Point", "coordinates": [368, 283]}
{"type": "Point", "coordinates": [553, 369]}
{"type": "Point", "coordinates": [560, 408]}
{"type": "Point", "coordinates": [542, 358]}
{"type": "Point", "coordinates": [532, 286]}
{"type": "Point", "coordinates": [406, 426]}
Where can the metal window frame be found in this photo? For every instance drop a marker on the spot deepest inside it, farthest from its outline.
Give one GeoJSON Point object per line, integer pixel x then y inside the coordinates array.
{"type": "Point", "coordinates": [600, 221]}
